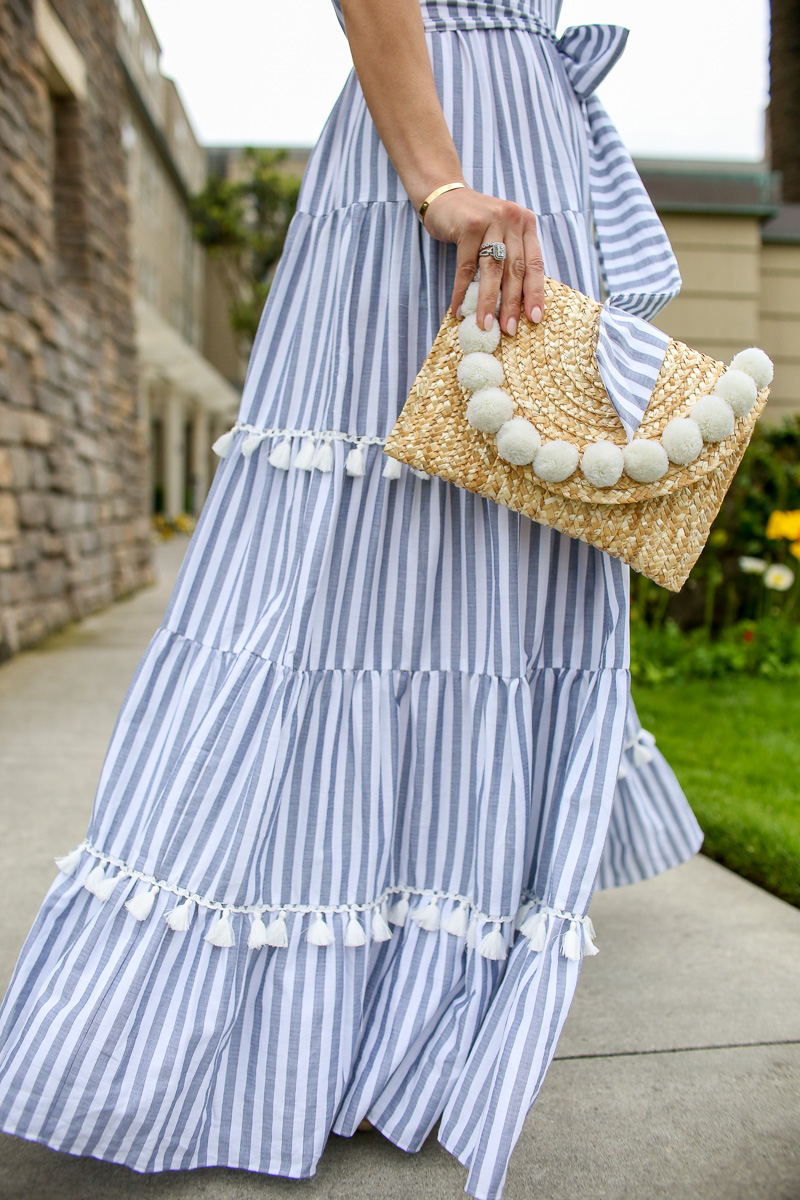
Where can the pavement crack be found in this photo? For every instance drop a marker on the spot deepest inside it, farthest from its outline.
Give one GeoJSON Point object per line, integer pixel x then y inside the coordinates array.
{"type": "Point", "coordinates": [679, 1049]}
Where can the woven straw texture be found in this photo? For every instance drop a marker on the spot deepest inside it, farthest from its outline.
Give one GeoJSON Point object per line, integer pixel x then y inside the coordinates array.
{"type": "Point", "coordinates": [658, 528]}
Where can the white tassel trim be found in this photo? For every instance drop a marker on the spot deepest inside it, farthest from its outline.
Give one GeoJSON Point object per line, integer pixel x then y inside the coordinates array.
{"type": "Point", "coordinates": [222, 446]}
{"type": "Point", "coordinates": [531, 918]}
{"type": "Point", "coordinates": [251, 444]}
{"type": "Point", "coordinates": [140, 906]}
{"type": "Point", "coordinates": [571, 942]}
{"type": "Point", "coordinates": [221, 932]}
{"type": "Point", "coordinates": [305, 455]}
{"type": "Point", "coordinates": [642, 747]}
{"type": "Point", "coordinates": [429, 917]}
{"type": "Point", "coordinates": [393, 468]}
{"type": "Point", "coordinates": [323, 459]}
{"type": "Point", "coordinates": [493, 945]}
{"type": "Point", "coordinates": [69, 863]}
{"type": "Point", "coordinates": [280, 455]}
{"type": "Point", "coordinates": [320, 932]}
{"type": "Point", "coordinates": [399, 910]}
{"type": "Point", "coordinates": [354, 463]}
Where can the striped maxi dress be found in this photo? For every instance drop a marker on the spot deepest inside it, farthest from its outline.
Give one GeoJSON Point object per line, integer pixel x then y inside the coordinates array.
{"type": "Point", "coordinates": [381, 750]}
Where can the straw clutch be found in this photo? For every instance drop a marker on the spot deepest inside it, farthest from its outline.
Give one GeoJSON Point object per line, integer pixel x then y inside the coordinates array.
{"type": "Point", "coordinates": [549, 443]}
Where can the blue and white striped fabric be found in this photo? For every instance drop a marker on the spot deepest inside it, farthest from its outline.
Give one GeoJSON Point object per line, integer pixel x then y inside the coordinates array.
{"type": "Point", "coordinates": [365, 778]}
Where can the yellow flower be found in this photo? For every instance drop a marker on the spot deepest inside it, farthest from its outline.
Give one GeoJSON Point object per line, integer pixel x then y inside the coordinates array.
{"type": "Point", "coordinates": [795, 549]}
{"type": "Point", "coordinates": [784, 525]}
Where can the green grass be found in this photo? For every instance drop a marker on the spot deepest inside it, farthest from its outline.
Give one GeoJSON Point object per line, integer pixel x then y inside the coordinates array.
{"type": "Point", "coordinates": [734, 744]}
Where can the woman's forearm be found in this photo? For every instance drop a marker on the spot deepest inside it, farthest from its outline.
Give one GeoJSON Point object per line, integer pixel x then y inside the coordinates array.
{"type": "Point", "coordinates": [391, 60]}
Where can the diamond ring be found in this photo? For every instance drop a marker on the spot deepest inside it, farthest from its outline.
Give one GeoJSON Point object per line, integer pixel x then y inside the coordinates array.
{"type": "Point", "coordinates": [495, 249]}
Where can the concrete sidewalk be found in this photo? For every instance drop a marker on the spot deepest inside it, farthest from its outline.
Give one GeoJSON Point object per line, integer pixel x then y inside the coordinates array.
{"type": "Point", "coordinates": [678, 1073]}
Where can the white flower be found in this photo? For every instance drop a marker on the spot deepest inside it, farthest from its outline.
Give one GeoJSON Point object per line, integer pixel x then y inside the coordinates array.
{"type": "Point", "coordinates": [752, 566]}
{"type": "Point", "coordinates": [778, 577]}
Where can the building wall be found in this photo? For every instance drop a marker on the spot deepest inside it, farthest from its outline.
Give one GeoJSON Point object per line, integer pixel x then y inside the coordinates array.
{"type": "Point", "coordinates": [74, 528]}
{"type": "Point", "coordinates": [780, 324]}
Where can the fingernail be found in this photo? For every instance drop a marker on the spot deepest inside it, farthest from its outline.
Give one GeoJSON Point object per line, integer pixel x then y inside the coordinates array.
{"type": "Point", "coordinates": [488, 321]}
{"type": "Point", "coordinates": [512, 326]}
{"type": "Point", "coordinates": [536, 315]}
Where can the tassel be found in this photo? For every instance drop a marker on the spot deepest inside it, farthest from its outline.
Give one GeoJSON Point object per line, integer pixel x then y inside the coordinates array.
{"type": "Point", "coordinates": [96, 882]}
{"type": "Point", "coordinates": [471, 933]}
{"type": "Point", "coordinates": [221, 932]}
{"type": "Point", "coordinates": [622, 773]}
{"type": "Point", "coordinates": [257, 937]}
{"type": "Point", "coordinates": [522, 912]}
{"type": "Point", "coordinates": [393, 468]}
{"type": "Point", "coordinates": [251, 444]}
{"type": "Point", "coordinates": [642, 754]}
{"type": "Point", "coordinates": [456, 923]}
{"type": "Point", "coordinates": [69, 863]}
{"type": "Point", "coordinates": [399, 910]}
{"type": "Point", "coordinates": [420, 474]}
{"type": "Point", "coordinates": [276, 934]}
{"type": "Point", "coordinates": [323, 459]}
{"type": "Point", "coordinates": [319, 934]}
{"type": "Point", "coordinates": [178, 918]}
{"type": "Point", "coordinates": [588, 933]}
{"type": "Point", "coordinates": [380, 928]}
{"type": "Point", "coordinates": [534, 928]}
{"type": "Point", "coordinates": [303, 463]}
{"type": "Point", "coordinates": [429, 917]}
{"type": "Point", "coordinates": [281, 454]}
{"type": "Point", "coordinates": [141, 904]}
{"type": "Point", "coordinates": [354, 463]}
{"type": "Point", "coordinates": [493, 945]}
{"type": "Point", "coordinates": [354, 934]}
{"type": "Point", "coordinates": [571, 943]}
{"type": "Point", "coordinates": [222, 446]}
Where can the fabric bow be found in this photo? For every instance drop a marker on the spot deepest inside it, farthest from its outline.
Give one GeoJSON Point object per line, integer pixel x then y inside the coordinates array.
{"type": "Point", "coordinates": [639, 270]}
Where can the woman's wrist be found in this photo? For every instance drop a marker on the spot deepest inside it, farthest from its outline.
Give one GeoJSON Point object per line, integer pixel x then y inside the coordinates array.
{"type": "Point", "coordinates": [420, 188]}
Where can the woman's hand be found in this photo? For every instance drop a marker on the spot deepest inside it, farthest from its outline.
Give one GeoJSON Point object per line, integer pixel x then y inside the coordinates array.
{"type": "Point", "coordinates": [470, 219]}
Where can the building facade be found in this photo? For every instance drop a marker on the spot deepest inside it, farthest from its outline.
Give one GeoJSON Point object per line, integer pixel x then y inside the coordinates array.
{"type": "Point", "coordinates": [74, 515]}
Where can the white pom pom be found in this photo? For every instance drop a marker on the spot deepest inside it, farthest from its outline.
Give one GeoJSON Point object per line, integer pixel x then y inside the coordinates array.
{"type": "Point", "coordinates": [277, 934]}
{"type": "Point", "coordinates": [470, 302]}
{"type": "Point", "coordinates": [69, 863]}
{"type": "Point", "coordinates": [141, 904]}
{"type": "Point", "coordinates": [222, 446]}
{"type": "Point", "coordinates": [251, 444]}
{"type": "Point", "coordinates": [354, 935]}
{"type": "Point", "coordinates": [393, 468]}
{"type": "Point", "coordinates": [556, 461]}
{"type": "Point", "coordinates": [179, 918]}
{"type": "Point", "coordinates": [380, 929]}
{"type": "Point", "coordinates": [571, 943]}
{"type": "Point", "coordinates": [714, 416]}
{"type": "Point", "coordinates": [429, 917]}
{"type": "Point", "coordinates": [534, 928]}
{"type": "Point", "coordinates": [305, 455]}
{"type": "Point", "coordinates": [472, 338]}
{"type": "Point", "coordinates": [281, 454]}
{"type": "Point", "coordinates": [493, 945]}
{"type": "Point", "coordinates": [457, 922]}
{"type": "Point", "coordinates": [320, 932]}
{"type": "Point", "coordinates": [490, 408]}
{"type": "Point", "coordinates": [354, 463]}
{"type": "Point", "coordinates": [645, 460]}
{"type": "Point", "coordinates": [756, 363]}
{"type": "Point", "coordinates": [518, 441]}
{"type": "Point", "coordinates": [739, 389]}
{"type": "Point", "coordinates": [399, 910]}
{"type": "Point", "coordinates": [479, 370]}
{"type": "Point", "coordinates": [221, 932]}
{"type": "Point", "coordinates": [682, 440]}
{"type": "Point", "coordinates": [601, 464]}
{"type": "Point", "coordinates": [257, 937]}
{"type": "Point", "coordinates": [100, 886]}
{"type": "Point", "coordinates": [323, 459]}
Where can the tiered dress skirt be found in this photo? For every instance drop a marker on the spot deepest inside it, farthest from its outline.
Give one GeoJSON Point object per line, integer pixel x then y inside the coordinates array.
{"type": "Point", "coordinates": [365, 778]}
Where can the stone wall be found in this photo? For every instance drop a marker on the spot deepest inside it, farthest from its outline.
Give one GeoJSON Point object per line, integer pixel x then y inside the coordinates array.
{"type": "Point", "coordinates": [74, 527]}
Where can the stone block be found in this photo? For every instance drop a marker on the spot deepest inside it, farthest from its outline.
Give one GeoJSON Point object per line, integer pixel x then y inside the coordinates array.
{"type": "Point", "coordinates": [32, 507]}
{"type": "Point", "coordinates": [9, 518]}
{"type": "Point", "coordinates": [36, 430]}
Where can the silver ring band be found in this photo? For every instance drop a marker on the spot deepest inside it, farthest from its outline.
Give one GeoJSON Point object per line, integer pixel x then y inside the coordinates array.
{"type": "Point", "coordinates": [493, 249]}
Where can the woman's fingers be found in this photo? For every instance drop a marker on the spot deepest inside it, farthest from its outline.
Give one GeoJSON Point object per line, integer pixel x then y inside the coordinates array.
{"type": "Point", "coordinates": [491, 277]}
{"type": "Point", "coordinates": [533, 283]}
{"type": "Point", "coordinates": [511, 287]}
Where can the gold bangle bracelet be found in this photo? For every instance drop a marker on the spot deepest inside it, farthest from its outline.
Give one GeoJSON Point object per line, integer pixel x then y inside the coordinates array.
{"type": "Point", "coordinates": [446, 187]}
